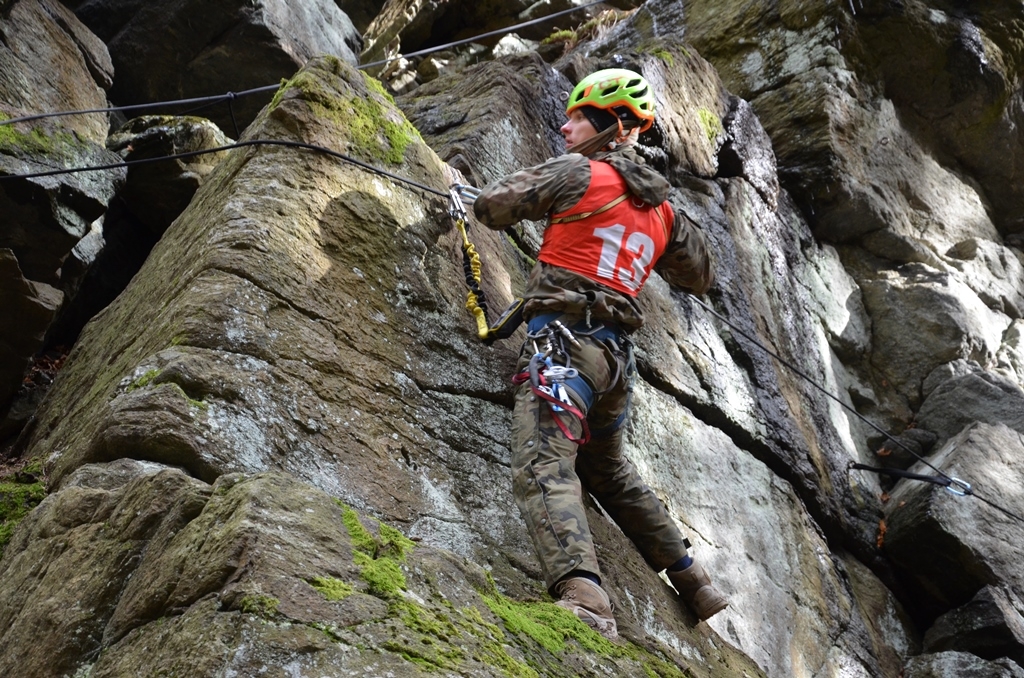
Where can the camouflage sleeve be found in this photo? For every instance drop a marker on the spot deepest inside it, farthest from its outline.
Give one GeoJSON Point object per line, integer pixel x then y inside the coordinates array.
{"type": "Point", "coordinates": [687, 262]}
{"type": "Point", "coordinates": [533, 193]}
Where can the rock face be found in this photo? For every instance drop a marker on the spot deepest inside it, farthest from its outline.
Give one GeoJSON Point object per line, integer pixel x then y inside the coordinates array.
{"type": "Point", "coordinates": [185, 48]}
{"type": "Point", "coordinates": [48, 61]}
{"type": "Point", "coordinates": [282, 448]}
{"type": "Point", "coordinates": [29, 308]}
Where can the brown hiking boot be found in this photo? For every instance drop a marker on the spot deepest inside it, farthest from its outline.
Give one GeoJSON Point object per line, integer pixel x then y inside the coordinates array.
{"type": "Point", "coordinates": [590, 603]}
{"type": "Point", "coordinates": [694, 586]}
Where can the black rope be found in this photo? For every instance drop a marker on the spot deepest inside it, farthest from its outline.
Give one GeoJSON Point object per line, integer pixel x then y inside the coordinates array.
{"type": "Point", "coordinates": [500, 31]}
{"type": "Point", "coordinates": [899, 473]}
{"type": "Point", "coordinates": [216, 98]}
{"type": "Point", "coordinates": [228, 147]}
{"type": "Point", "coordinates": [230, 96]}
{"type": "Point", "coordinates": [941, 479]}
{"type": "Point", "coordinates": [231, 110]}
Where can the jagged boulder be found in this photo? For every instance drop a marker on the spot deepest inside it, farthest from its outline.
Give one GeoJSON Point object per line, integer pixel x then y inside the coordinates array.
{"type": "Point", "coordinates": [156, 193]}
{"type": "Point", "coordinates": [950, 321]}
{"type": "Point", "coordinates": [962, 393]}
{"type": "Point", "coordinates": [177, 49]}
{"type": "Point", "coordinates": [950, 546]}
{"type": "Point", "coordinates": [29, 308]}
{"type": "Point", "coordinates": [266, 571]}
{"type": "Point", "coordinates": [864, 114]}
{"type": "Point", "coordinates": [960, 665]}
{"type": "Point", "coordinates": [91, 537]}
{"type": "Point", "coordinates": [991, 626]}
{"type": "Point", "coordinates": [49, 62]}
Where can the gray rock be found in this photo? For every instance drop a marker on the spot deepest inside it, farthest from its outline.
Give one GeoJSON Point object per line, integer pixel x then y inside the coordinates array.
{"type": "Point", "coordinates": [47, 216]}
{"type": "Point", "coordinates": [959, 665]}
{"type": "Point", "coordinates": [157, 193]}
{"type": "Point", "coordinates": [90, 539]}
{"type": "Point", "coordinates": [962, 394]}
{"type": "Point", "coordinates": [29, 307]}
{"type": "Point", "coordinates": [993, 271]}
{"type": "Point", "coordinates": [50, 62]}
{"type": "Point", "coordinates": [947, 546]}
{"type": "Point", "coordinates": [186, 48]}
{"type": "Point", "coordinates": [748, 152]}
{"type": "Point", "coordinates": [990, 626]}
{"type": "Point", "coordinates": [924, 319]}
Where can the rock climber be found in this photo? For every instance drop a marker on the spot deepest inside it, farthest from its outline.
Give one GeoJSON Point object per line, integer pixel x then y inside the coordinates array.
{"type": "Point", "coordinates": [609, 225]}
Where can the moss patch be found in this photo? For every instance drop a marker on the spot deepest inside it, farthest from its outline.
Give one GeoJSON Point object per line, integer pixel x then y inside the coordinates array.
{"type": "Point", "coordinates": [332, 589]}
{"type": "Point", "coordinates": [383, 575]}
{"type": "Point", "coordinates": [559, 36]}
{"type": "Point", "coordinates": [372, 125]}
{"type": "Point", "coordinates": [143, 381]}
{"type": "Point", "coordinates": [380, 557]}
{"type": "Point", "coordinates": [262, 606]}
{"type": "Point", "coordinates": [710, 123]}
{"type": "Point", "coordinates": [361, 538]}
{"type": "Point", "coordinates": [34, 142]}
{"type": "Point", "coordinates": [20, 492]}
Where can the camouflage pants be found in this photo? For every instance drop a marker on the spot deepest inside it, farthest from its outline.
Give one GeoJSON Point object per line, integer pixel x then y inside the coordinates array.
{"type": "Point", "coordinates": [549, 472]}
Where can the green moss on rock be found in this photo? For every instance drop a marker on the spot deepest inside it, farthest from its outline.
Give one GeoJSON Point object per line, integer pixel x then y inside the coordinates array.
{"type": "Point", "coordinates": [145, 380]}
{"type": "Point", "coordinates": [371, 123]}
{"type": "Point", "coordinates": [20, 492]}
{"type": "Point", "coordinates": [361, 538]}
{"type": "Point", "coordinates": [710, 123]}
{"type": "Point", "coordinates": [332, 589]}
{"type": "Point", "coordinates": [261, 606]}
{"type": "Point", "coordinates": [383, 575]}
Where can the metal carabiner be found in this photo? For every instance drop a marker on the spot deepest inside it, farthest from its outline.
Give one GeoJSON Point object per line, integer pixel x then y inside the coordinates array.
{"type": "Point", "coordinates": [964, 487]}
{"type": "Point", "coordinates": [455, 207]}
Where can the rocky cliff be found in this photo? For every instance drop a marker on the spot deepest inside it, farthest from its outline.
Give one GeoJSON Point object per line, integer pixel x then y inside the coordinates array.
{"type": "Point", "coordinates": [277, 448]}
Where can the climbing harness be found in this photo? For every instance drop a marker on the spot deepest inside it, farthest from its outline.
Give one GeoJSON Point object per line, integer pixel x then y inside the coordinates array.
{"type": "Point", "coordinates": [550, 370]}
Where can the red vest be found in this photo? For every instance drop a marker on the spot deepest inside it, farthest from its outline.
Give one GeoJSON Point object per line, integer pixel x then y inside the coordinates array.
{"type": "Point", "coordinates": [609, 236]}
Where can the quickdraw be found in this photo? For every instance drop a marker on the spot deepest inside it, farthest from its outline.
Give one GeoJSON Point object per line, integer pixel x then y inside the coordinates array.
{"type": "Point", "coordinates": [547, 378]}
{"type": "Point", "coordinates": [952, 485]}
{"type": "Point", "coordinates": [476, 301]}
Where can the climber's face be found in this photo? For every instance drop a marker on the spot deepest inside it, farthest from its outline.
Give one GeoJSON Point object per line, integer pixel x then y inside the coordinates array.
{"type": "Point", "coordinates": [577, 129]}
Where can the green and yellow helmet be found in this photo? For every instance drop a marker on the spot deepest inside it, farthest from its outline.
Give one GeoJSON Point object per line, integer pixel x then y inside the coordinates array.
{"type": "Point", "coordinates": [612, 89]}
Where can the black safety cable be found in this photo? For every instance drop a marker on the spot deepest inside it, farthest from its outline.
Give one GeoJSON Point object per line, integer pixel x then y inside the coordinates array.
{"type": "Point", "coordinates": [231, 96]}
{"type": "Point", "coordinates": [500, 31]}
{"type": "Point", "coordinates": [228, 147]}
{"type": "Point", "coordinates": [197, 100]}
{"type": "Point", "coordinates": [954, 485]}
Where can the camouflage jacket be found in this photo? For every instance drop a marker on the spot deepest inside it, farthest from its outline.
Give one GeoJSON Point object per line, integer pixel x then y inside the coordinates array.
{"type": "Point", "coordinates": [556, 186]}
